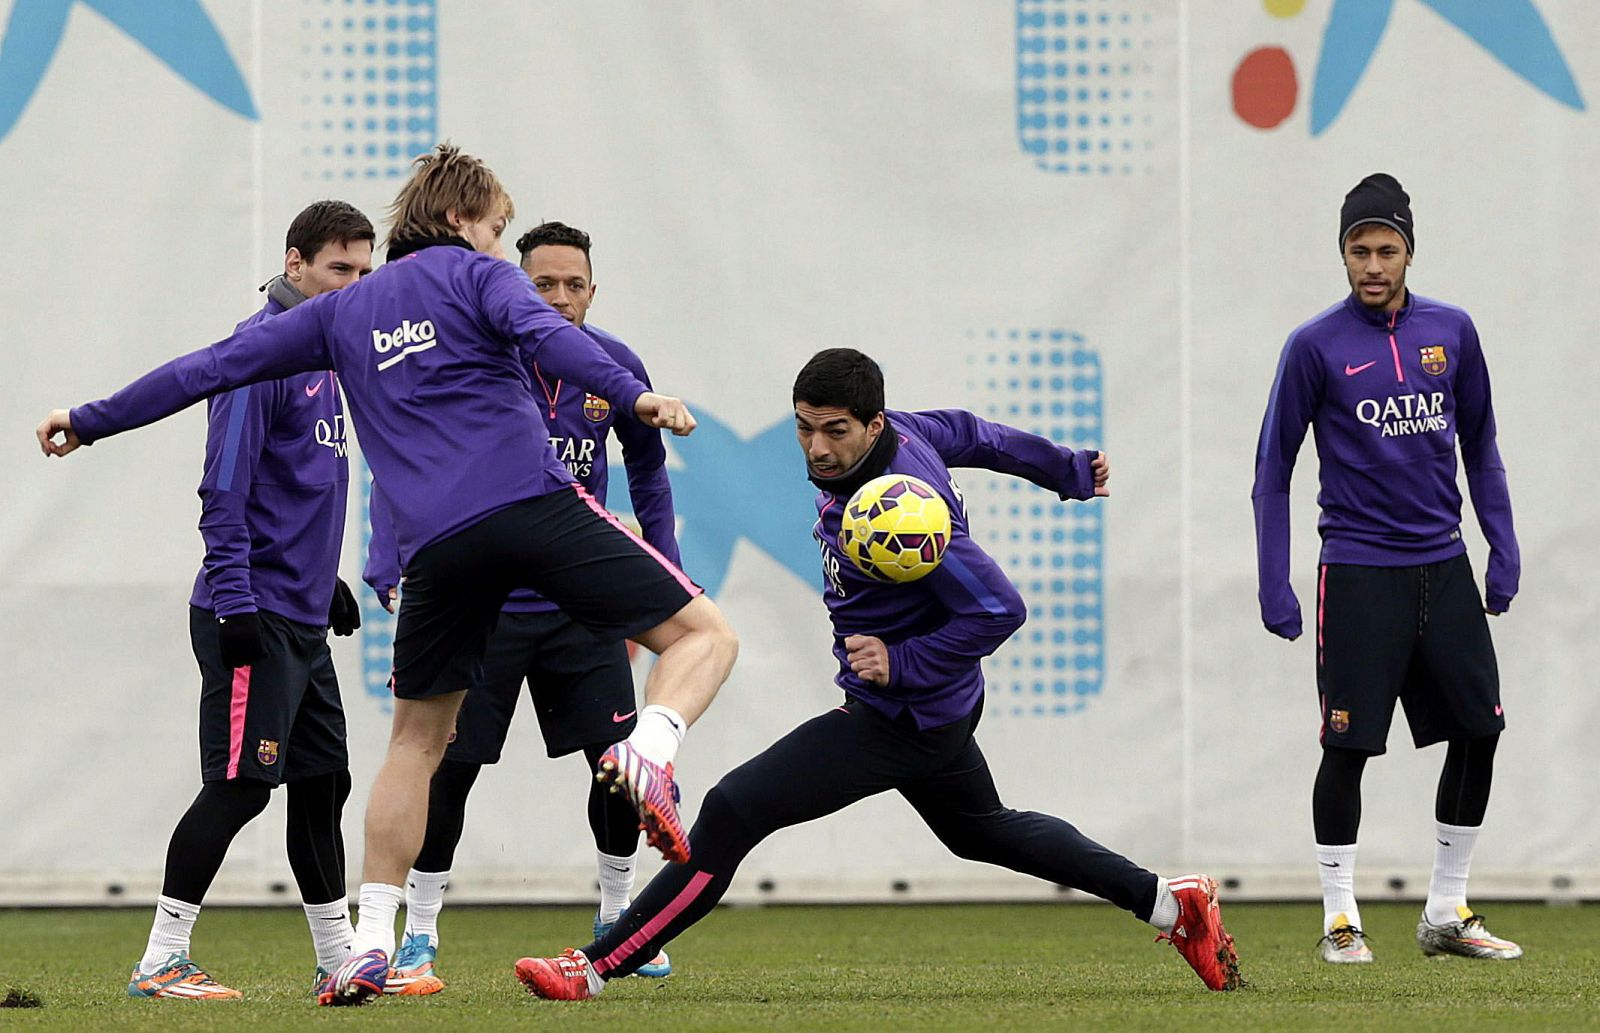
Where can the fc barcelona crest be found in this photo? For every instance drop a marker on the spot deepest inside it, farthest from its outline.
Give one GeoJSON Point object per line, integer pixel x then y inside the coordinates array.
{"type": "Point", "coordinates": [267, 752]}
{"type": "Point", "coordinates": [1433, 360]}
{"type": "Point", "coordinates": [1339, 720]}
{"type": "Point", "coordinates": [596, 408]}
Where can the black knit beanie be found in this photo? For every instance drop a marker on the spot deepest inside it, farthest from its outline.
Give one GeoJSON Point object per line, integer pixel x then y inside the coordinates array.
{"type": "Point", "coordinates": [1379, 198]}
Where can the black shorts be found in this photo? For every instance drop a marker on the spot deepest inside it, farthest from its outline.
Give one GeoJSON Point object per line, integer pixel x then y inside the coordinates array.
{"type": "Point", "coordinates": [582, 688]}
{"type": "Point", "coordinates": [1413, 634]}
{"type": "Point", "coordinates": [565, 546]}
{"type": "Point", "coordinates": [278, 720]}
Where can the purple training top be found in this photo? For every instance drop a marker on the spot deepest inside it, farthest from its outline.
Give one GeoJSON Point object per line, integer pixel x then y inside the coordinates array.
{"type": "Point", "coordinates": [578, 422]}
{"type": "Point", "coordinates": [938, 629]}
{"type": "Point", "coordinates": [429, 350]}
{"type": "Point", "coordinates": [1387, 396]}
{"type": "Point", "coordinates": [272, 498]}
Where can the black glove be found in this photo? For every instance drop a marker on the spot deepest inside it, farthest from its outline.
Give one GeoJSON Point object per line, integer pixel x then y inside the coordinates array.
{"type": "Point", "coordinates": [240, 639]}
{"type": "Point", "coordinates": [344, 616]}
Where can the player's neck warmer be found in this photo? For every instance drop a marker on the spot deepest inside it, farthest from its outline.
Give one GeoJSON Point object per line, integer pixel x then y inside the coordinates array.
{"type": "Point", "coordinates": [877, 460]}
{"type": "Point", "coordinates": [402, 248]}
{"type": "Point", "coordinates": [286, 294]}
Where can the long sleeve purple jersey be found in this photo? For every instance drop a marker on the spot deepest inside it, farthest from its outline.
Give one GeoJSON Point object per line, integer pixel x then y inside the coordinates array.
{"type": "Point", "coordinates": [427, 350]}
{"type": "Point", "coordinates": [1387, 396]}
{"type": "Point", "coordinates": [938, 629]}
{"type": "Point", "coordinates": [272, 498]}
{"type": "Point", "coordinates": [579, 422]}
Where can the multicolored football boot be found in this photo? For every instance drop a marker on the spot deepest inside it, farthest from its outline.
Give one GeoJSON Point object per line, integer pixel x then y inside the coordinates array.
{"type": "Point", "coordinates": [1465, 938]}
{"type": "Point", "coordinates": [654, 795]}
{"type": "Point", "coordinates": [359, 979]}
{"type": "Point", "coordinates": [412, 974]}
{"type": "Point", "coordinates": [658, 967]}
{"type": "Point", "coordinates": [564, 978]}
{"type": "Point", "coordinates": [1199, 935]}
{"type": "Point", "coordinates": [180, 977]}
{"type": "Point", "coordinates": [1344, 944]}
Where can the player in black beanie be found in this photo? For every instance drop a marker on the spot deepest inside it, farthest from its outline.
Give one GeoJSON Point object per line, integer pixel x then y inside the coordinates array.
{"type": "Point", "coordinates": [1378, 198]}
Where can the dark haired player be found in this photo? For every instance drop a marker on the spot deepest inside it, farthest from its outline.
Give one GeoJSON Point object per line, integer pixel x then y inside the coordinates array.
{"type": "Point", "coordinates": [910, 667]}
{"type": "Point", "coordinates": [1389, 382]}
{"type": "Point", "coordinates": [429, 350]}
{"type": "Point", "coordinates": [272, 504]}
{"type": "Point", "coordinates": [581, 687]}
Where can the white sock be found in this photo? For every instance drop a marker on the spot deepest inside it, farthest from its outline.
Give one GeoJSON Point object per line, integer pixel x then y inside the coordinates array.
{"type": "Point", "coordinates": [1337, 866]}
{"type": "Point", "coordinates": [424, 899]}
{"type": "Point", "coordinates": [596, 984]}
{"type": "Point", "coordinates": [616, 884]}
{"type": "Point", "coordinates": [380, 902]}
{"type": "Point", "coordinates": [169, 934]}
{"type": "Point", "coordinates": [658, 734]}
{"type": "Point", "coordinates": [331, 932]}
{"type": "Point", "coordinates": [1164, 916]}
{"type": "Point", "coordinates": [1452, 857]}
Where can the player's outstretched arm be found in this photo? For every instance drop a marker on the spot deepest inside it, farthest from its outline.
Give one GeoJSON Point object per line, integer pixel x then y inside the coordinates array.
{"type": "Point", "coordinates": [964, 439]}
{"type": "Point", "coordinates": [294, 342]}
{"type": "Point", "coordinates": [644, 458]}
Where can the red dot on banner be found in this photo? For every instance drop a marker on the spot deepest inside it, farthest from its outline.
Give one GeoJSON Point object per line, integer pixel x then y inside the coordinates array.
{"type": "Point", "coordinates": [1265, 87]}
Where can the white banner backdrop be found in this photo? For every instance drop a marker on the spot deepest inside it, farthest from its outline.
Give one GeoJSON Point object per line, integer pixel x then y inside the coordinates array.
{"type": "Point", "coordinates": [1094, 218]}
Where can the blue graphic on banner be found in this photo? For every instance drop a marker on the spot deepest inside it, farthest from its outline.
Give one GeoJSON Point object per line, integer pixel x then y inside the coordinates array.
{"type": "Point", "coordinates": [1049, 383]}
{"type": "Point", "coordinates": [1512, 31]}
{"type": "Point", "coordinates": [1083, 85]}
{"type": "Point", "coordinates": [178, 33]}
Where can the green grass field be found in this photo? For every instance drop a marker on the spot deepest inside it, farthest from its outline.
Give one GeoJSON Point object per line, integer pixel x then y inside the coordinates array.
{"type": "Point", "coordinates": [847, 968]}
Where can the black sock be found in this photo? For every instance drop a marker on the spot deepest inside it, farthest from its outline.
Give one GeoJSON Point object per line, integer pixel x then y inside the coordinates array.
{"type": "Point", "coordinates": [612, 819]}
{"type": "Point", "coordinates": [201, 840]}
{"type": "Point", "coordinates": [680, 894]}
{"type": "Point", "coordinates": [447, 813]}
{"type": "Point", "coordinates": [1336, 798]}
{"type": "Point", "coordinates": [1464, 783]}
{"type": "Point", "coordinates": [314, 838]}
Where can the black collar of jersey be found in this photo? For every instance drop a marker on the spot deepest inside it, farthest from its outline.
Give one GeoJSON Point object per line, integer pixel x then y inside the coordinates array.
{"type": "Point", "coordinates": [877, 460]}
{"type": "Point", "coordinates": [402, 248]}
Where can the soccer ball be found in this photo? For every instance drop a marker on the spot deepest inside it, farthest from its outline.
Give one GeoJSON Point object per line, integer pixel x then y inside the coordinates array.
{"type": "Point", "coordinates": [895, 528]}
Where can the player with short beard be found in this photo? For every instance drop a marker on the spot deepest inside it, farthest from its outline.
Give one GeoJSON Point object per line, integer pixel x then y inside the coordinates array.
{"type": "Point", "coordinates": [581, 687]}
{"type": "Point", "coordinates": [1390, 382]}
{"type": "Point", "coordinates": [272, 504]}
{"type": "Point", "coordinates": [430, 351]}
{"type": "Point", "coordinates": [910, 665]}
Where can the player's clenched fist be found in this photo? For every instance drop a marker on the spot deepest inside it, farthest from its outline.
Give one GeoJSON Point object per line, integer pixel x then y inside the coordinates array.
{"type": "Point", "coordinates": [869, 658]}
{"type": "Point", "coordinates": [58, 422]}
{"type": "Point", "coordinates": [665, 412]}
{"type": "Point", "coordinates": [1101, 467]}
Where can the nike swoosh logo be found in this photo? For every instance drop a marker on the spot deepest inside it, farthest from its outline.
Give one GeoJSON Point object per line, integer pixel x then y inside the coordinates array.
{"type": "Point", "coordinates": [616, 869]}
{"type": "Point", "coordinates": [1328, 864]}
{"type": "Point", "coordinates": [617, 719]}
{"type": "Point", "coordinates": [339, 919]}
{"type": "Point", "coordinates": [171, 912]}
{"type": "Point", "coordinates": [1351, 371]}
{"type": "Point", "coordinates": [1497, 711]}
{"type": "Point", "coordinates": [313, 389]}
{"type": "Point", "coordinates": [1442, 842]}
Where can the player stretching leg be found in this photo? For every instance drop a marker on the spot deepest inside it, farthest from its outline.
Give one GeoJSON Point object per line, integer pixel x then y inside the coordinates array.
{"type": "Point", "coordinates": [1389, 382]}
{"type": "Point", "coordinates": [582, 688]}
{"type": "Point", "coordinates": [910, 666]}
{"type": "Point", "coordinates": [272, 516]}
{"type": "Point", "coordinates": [429, 351]}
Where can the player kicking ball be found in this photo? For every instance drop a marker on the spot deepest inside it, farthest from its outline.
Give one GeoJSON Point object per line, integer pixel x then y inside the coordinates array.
{"type": "Point", "coordinates": [430, 351]}
{"type": "Point", "coordinates": [581, 687]}
{"type": "Point", "coordinates": [910, 664]}
{"type": "Point", "coordinates": [1391, 382]}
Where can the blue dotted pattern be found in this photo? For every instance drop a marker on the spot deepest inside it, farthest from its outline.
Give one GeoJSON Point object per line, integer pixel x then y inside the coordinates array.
{"type": "Point", "coordinates": [1047, 382]}
{"type": "Point", "coordinates": [370, 101]}
{"type": "Point", "coordinates": [369, 104]}
{"type": "Point", "coordinates": [1083, 85]}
